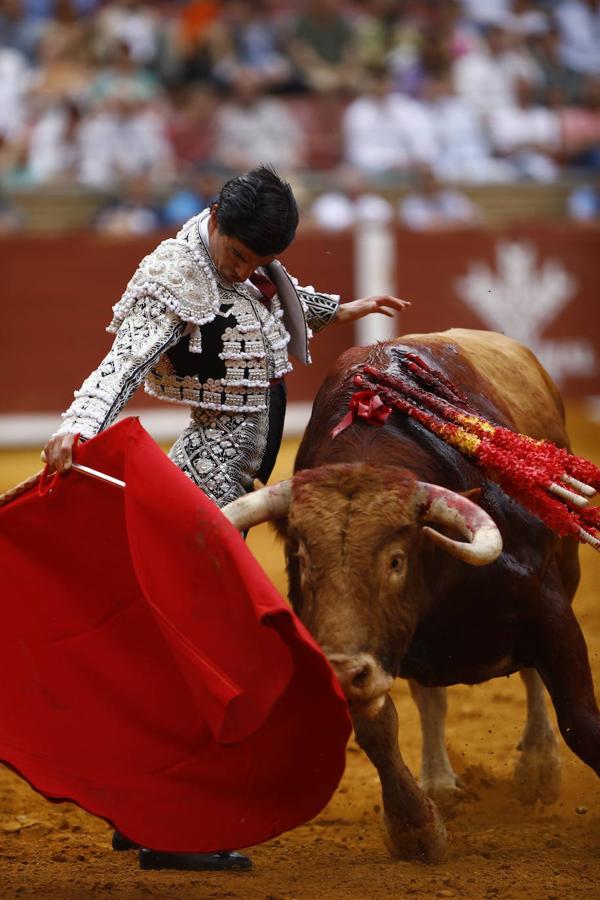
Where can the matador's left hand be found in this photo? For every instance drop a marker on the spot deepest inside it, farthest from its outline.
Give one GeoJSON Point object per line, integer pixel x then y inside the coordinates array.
{"type": "Point", "coordinates": [381, 303]}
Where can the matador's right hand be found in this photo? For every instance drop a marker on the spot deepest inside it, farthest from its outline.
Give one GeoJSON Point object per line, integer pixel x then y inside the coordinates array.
{"type": "Point", "coordinates": [58, 452]}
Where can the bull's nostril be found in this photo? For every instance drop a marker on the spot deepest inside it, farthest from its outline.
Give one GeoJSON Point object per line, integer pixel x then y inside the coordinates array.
{"type": "Point", "coordinates": [361, 677]}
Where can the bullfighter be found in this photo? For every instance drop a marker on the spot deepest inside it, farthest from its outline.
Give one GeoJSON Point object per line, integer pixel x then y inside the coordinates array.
{"type": "Point", "coordinates": [208, 320]}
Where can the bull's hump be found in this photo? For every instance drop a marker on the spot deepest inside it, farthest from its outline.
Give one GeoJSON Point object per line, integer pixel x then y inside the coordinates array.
{"type": "Point", "coordinates": [494, 368]}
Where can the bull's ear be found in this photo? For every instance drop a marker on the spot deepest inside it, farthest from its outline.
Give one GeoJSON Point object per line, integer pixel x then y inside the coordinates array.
{"type": "Point", "coordinates": [472, 494]}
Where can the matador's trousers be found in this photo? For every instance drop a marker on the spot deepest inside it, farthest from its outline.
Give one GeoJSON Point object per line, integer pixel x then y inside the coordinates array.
{"type": "Point", "coordinates": [224, 452]}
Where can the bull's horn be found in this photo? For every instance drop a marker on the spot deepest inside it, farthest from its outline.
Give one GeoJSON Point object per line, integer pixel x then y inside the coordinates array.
{"type": "Point", "coordinates": [483, 542]}
{"type": "Point", "coordinates": [268, 503]}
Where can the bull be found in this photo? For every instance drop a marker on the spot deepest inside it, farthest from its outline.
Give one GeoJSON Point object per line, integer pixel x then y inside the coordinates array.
{"type": "Point", "coordinates": [397, 572]}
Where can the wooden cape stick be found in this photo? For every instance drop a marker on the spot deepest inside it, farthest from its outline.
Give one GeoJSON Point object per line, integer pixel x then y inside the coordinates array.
{"type": "Point", "coordinates": [23, 486]}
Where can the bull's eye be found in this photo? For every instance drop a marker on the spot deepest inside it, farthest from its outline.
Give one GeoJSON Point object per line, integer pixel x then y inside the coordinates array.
{"type": "Point", "coordinates": [395, 563]}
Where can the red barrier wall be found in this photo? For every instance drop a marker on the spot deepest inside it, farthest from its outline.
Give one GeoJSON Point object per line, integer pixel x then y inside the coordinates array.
{"type": "Point", "coordinates": [538, 283]}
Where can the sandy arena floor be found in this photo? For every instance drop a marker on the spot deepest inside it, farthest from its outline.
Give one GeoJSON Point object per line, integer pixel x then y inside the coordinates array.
{"type": "Point", "coordinates": [498, 848]}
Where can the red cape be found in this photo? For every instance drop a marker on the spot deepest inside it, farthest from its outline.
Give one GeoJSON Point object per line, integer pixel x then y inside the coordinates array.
{"type": "Point", "coordinates": [150, 671]}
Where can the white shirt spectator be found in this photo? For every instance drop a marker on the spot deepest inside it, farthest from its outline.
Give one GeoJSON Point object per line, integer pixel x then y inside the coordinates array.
{"type": "Point", "coordinates": [483, 81]}
{"type": "Point", "coordinates": [514, 128]}
{"type": "Point", "coordinates": [126, 220]}
{"type": "Point", "coordinates": [123, 146]}
{"type": "Point", "coordinates": [15, 77]}
{"type": "Point", "coordinates": [52, 152]}
{"type": "Point", "coordinates": [335, 211]}
{"type": "Point", "coordinates": [137, 28]}
{"type": "Point", "coordinates": [463, 149]}
{"type": "Point", "coordinates": [97, 157]}
{"type": "Point", "coordinates": [526, 135]}
{"type": "Point", "coordinates": [441, 209]}
{"type": "Point", "coordinates": [485, 12]}
{"type": "Point", "coordinates": [386, 133]}
{"type": "Point", "coordinates": [263, 131]}
{"type": "Point", "coordinates": [580, 35]}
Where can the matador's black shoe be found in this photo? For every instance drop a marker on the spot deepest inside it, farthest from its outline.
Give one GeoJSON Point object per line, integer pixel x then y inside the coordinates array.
{"type": "Point", "coordinates": [225, 861]}
{"type": "Point", "coordinates": [120, 842]}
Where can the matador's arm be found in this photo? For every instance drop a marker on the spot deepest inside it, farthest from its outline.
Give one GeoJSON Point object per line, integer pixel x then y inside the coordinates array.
{"type": "Point", "coordinates": [172, 290]}
{"type": "Point", "coordinates": [147, 331]}
{"type": "Point", "coordinates": [320, 309]}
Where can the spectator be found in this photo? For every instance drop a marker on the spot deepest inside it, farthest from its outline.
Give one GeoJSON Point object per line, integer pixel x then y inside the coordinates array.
{"type": "Point", "coordinates": [526, 18]}
{"type": "Point", "coordinates": [322, 46]}
{"type": "Point", "coordinates": [65, 67]}
{"type": "Point", "coordinates": [245, 37]}
{"type": "Point", "coordinates": [463, 151]}
{"type": "Point", "coordinates": [386, 132]}
{"type": "Point", "coordinates": [583, 203]}
{"type": "Point", "coordinates": [434, 59]}
{"type": "Point", "coordinates": [253, 128]}
{"type": "Point", "coordinates": [135, 212]}
{"type": "Point", "coordinates": [485, 77]}
{"type": "Point", "coordinates": [486, 12]}
{"type": "Point", "coordinates": [518, 60]}
{"type": "Point", "coordinates": [193, 39]}
{"type": "Point", "coordinates": [122, 80]}
{"type": "Point", "coordinates": [462, 36]}
{"type": "Point", "coordinates": [122, 137]}
{"type": "Point", "coordinates": [55, 145]}
{"type": "Point", "coordinates": [13, 156]}
{"type": "Point", "coordinates": [15, 78]}
{"type": "Point", "coordinates": [18, 30]}
{"type": "Point", "coordinates": [132, 23]}
{"type": "Point", "coordinates": [193, 194]}
{"type": "Point", "coordinates": [377, 31]}
{"type": "Point", "coordinates": [45, 9]}
{"type": "Point", "coordinates": [559, 83]}
{"type": "Point", "coordinates": [320, 116]}
{"type": "Point", "coordinates": [136, 136]}
{"type": "Point", "coordinates": [430, 207]}
{"type": "Point", "coordinates": [349, 203]}
{"type": "Point", "coordinates": [580, 128]}
{"type": "Point", "coordinates": [579, 25]}
{"type": "Point", "coordinates": [528, 135]}
{"type": "Point", "coordinates": [192, 125]}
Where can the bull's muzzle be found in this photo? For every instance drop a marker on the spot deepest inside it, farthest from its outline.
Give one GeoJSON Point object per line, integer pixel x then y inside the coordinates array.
{"type": "Point", "coordinates": [363, 681]}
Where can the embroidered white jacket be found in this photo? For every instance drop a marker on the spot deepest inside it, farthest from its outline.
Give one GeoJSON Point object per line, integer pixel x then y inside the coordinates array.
{"type": "Point", "coordinates": [196, 340]}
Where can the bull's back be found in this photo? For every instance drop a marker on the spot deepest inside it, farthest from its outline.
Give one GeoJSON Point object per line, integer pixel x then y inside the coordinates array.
{"type": "Point", "coordinates": [502, 378]}
{"type": "Point", "coordinates": [495, 367]}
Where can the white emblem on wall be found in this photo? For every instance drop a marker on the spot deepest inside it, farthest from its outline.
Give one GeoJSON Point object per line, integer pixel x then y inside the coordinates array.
{"type": "Point", "coordinates": [521, 299]}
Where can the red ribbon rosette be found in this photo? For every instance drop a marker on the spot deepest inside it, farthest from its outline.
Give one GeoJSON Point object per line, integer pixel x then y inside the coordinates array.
{"type": "Point", "coordinates": [366, 405]}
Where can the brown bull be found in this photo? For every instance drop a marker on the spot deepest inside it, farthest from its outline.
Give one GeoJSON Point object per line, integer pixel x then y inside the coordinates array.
{"type": "Point", "coordinates": [386, 595]}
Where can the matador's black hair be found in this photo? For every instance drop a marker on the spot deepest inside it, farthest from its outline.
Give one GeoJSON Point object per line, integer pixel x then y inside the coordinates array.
{"type": "Point", "coordinates": [259, 209]}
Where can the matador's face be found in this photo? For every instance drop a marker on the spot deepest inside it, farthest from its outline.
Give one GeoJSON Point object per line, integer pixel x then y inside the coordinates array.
{"type": "Point", "coordinates": [232, 259]}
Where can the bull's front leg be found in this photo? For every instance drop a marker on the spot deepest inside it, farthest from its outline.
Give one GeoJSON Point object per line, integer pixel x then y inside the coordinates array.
{"type": "Point", "coordinates": [413, 824]}
{"type": "Point", "coordinates": [438, 779]}
{"type": "Point", "coordinates": [537, 774]}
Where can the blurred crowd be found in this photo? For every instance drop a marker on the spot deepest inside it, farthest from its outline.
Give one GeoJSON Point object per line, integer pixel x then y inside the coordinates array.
{"type": "Point", "coordinates": [154, 103]}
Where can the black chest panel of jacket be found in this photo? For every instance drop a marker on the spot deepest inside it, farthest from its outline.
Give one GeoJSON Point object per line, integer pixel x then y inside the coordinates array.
{"type": "Point", "coordinates": [206, 364]}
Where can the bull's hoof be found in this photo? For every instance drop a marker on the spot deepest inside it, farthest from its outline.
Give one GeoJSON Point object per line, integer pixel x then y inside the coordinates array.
{"type": "Point", "coordinates": [537, 774]}
{"type": "Point", "coordinates": [425, 843]}
{"type": "Point", "coordinates": [444, 790]}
